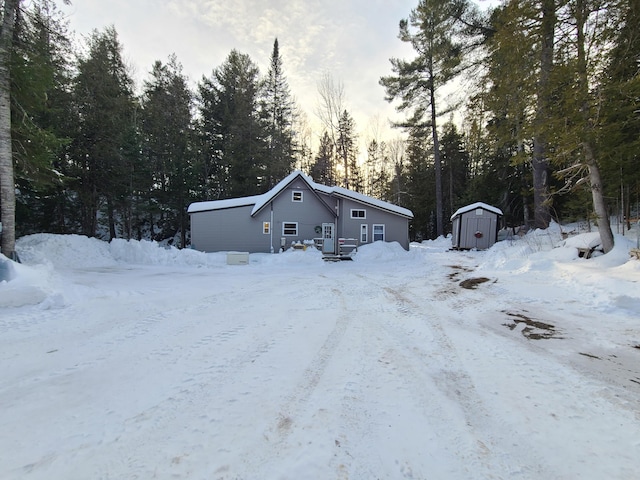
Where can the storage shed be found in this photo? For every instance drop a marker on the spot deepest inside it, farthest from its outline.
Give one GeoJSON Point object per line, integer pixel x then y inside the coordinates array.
{"type": "Point", "coordinates": [475, 226]}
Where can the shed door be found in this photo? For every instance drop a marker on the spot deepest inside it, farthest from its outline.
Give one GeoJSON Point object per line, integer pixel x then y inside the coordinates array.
{"type": "Point", "coordinates": [328, 238]}
{"type": "Point", "coordinates": [478, 233]}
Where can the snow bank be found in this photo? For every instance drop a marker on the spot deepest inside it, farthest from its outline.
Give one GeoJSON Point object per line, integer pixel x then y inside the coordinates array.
{"type": "Point", "coordinates": [28, 285]}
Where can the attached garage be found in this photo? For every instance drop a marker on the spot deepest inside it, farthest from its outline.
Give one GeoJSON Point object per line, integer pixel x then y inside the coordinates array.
{"type": "Point", "coordinates": [475, 226]}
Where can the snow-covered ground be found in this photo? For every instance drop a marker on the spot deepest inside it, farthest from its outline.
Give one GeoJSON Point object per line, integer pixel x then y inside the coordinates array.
{"type": "Point", "coordinates": [130, 361]}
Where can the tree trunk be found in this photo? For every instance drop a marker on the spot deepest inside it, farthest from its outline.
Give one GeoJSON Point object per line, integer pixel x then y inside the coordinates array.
{"type": "Point", "coordinates": [540, 164]}
{"type": "Point", "coordinates": [586, 134]}
{"type": "Point", "coordinates": [7, 182]}
{"type": "Point", "coordinates": [436, 158]}
{"type": "Point", "coordinates": [599, 204]}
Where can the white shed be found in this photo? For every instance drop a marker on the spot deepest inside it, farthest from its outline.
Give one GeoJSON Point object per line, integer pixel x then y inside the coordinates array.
{"type": "Point", "coordinates": [475, 226]}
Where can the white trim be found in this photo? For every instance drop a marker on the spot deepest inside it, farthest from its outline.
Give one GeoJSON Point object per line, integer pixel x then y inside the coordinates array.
{"type": "Point", "coordinates": [266, 228]}
{"type": "Point", "coordinates": [373, 232]}
{"type": "Point", "coordinates": [364, 233]}
{"type": "Point", "coordinates": [294, 193]}
{"type": "Point", "coordinates": [363, 217]}
{"type": "Point", "coordinates": [289, 228]}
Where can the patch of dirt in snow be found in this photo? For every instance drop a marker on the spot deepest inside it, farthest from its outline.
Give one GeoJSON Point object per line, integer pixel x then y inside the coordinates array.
{"type": "Point", "coordinates": [534, 329]}
{"type": "Point", "coordinates": [471, 283]}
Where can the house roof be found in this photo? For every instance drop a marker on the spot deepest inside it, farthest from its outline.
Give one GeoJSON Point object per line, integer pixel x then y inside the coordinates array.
{"type": "Point", "coordinates": [473, 206]}
{"type": "Point", "coordinates": [260, 201]}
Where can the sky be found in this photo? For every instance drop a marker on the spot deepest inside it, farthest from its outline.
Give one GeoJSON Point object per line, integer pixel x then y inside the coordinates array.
{"type": "Point", "coordinates": [352, 41]}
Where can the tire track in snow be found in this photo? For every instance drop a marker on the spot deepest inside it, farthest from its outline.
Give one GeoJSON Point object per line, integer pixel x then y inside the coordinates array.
{"type": "Point", "coordinates": [480, 453]}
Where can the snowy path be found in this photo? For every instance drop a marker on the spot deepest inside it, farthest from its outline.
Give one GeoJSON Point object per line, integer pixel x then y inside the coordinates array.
{"type": "Point", "coordinates": [327, 371]}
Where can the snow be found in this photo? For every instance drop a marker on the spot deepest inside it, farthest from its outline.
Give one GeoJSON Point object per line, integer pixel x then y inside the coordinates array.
{"type": "Point", "coordinates": [473, 206]}
{"type": "Point", "coordinates": [127, 360]}
{"type": "Point", "coordinates": [259, 201]}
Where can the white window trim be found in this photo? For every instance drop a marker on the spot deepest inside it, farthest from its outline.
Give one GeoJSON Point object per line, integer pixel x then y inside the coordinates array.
{"type": "Point", "coordinates": [266, 228]}
{"type": "Point", "coordinates": [289, 234]}
{"type": "Point", "coordinates": [364, 233]}
{"type": "Point", "coordinates": [293, 196]}
{"type": "Point", "coordinates": [373, 232]}
{"type": "Point", "coordinates": [359, 210]}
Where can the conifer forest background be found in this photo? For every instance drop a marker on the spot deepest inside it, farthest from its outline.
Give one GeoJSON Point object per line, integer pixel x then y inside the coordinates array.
{"type": "Point", "coordinates": [548, 128]}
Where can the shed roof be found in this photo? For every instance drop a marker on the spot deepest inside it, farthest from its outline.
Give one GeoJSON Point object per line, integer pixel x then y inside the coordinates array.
{"type": "Point", "coordinates": [260, 201]}
{"type": "Point", "coordinates": [473, 206]}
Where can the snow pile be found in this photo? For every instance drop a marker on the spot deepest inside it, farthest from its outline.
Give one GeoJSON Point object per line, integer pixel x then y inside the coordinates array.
{"type": "Point", "coordinates": [64, 251]}
{"type": "Point", "coordinates": [130, 360]}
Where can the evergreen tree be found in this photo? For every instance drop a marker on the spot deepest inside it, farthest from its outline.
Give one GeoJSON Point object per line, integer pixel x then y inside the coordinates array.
{"type": "Point", "coordinates": [41, 116]}
{"type": "Point", "coordinates": [167, 130]}
{"type": "Point", "coordinates": [348, 153]}
{"type": "Point", "coordinates": [105, 147]}
{"type": "Point", "coordinates": [323, 168]}
{"type": "Point", "coordinates": [434, 30]}
{"type": "Point", "coordinates": [233, 138]}
{"type": "Point", "coordinates": [455, 168]}
{"type": "Point", "coordinates": [278, 112]}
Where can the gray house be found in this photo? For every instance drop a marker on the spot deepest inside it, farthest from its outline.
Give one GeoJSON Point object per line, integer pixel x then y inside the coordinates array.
{"type": "Point", "coordinates": [475, 226]}
{"type": "Point", "coordinates": [295, 210]}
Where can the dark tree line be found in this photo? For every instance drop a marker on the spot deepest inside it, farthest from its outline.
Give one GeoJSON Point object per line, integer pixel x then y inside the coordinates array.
{"type": "Point", "coordinates": [551, 115]}
{"type": "Point", "coordinates": [547, 126]}
{"type": "Point", "coordinates": [92, 156]}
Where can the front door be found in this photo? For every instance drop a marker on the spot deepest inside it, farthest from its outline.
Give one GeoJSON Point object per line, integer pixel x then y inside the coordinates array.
{"type": "Point", "coordinates": [328, 238]}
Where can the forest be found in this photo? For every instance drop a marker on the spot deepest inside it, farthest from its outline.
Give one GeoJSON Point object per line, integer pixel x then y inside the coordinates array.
{"type": "Point", "coordinates": [548, 128]}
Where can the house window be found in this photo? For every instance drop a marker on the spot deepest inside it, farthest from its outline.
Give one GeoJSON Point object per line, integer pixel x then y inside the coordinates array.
{"type": "Point", "coordinates": [378, 233]}
{"type": "Point", "coordinates": [296, 196]}
{"type": "Point", "coordinates": [363, 233]}
{"type": "Point", "coordinates": [266, 228]}
{"type": "Point", "coordinates": [358, 213]}
{"type": "Point", "coordinates": [290, 228]}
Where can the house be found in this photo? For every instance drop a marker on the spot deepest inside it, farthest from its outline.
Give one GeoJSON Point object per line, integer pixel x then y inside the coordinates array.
{"type": "Point", "coordinates": [475, 226]}
{"type": "Point", "coordinates": [295, 210]}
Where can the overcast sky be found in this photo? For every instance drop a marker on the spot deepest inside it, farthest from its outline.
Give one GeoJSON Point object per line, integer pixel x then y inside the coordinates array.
{"type": "Point", "coordinates": [352, 40]}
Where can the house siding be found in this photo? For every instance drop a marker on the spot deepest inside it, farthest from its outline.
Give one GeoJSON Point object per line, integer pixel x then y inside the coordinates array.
{"type": "Point", "coordinates": [312, 212]}
{"type": "Point", "coordinates": [228, 225]}
{"type": "Point", "coordinates": [231, 229]}
{"type": "Point", "coordinates": [396, 227]}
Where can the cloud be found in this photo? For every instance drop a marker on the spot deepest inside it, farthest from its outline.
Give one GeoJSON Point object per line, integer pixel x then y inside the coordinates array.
{"type": "Point", "coordinates": [350, 39]}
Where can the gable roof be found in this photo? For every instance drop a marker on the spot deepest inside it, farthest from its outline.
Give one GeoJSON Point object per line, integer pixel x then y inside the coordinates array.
{"type": "Point", "coordinates": [473, 206]}
{"type": "Point", "coordinates": [260, 201]}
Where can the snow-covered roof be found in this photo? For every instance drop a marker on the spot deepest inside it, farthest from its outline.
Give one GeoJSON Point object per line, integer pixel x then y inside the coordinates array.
{"type": "Point", "coordinates": [222, 204]}
{"type": "Point", "coordinates": [259, 201]}
{"type": "Point", "coordinates": [473, 206]}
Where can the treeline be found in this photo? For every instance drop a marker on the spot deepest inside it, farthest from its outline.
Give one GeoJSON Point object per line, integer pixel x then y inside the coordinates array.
{"type": "Point", "coordinates": [548, 125]}
{"type": "Point", "coordinates": [550, 120]}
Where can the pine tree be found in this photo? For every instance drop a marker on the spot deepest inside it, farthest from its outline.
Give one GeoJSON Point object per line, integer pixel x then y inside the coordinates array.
{"type": "Point", "coordinates": [434, 31]}
{"type": "Point", "coordinates": [167, 131]}
{"type": "Point", "coordinates": [105, 144]}
{"type": "Point", "coordinates": [232, 135]}
{"type": "Point", "coordinates": [347, 152]}
{"type": "Point", "coordinates": [41, 117]}
{"type": "Point", "coordinates": [278, 112]}
{"type": "Point", "coordinates": [323, 168]}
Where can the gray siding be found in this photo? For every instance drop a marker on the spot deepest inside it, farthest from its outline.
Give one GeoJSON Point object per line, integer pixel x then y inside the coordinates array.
{"type": "Point", "coordinates": [467, 224]}
{"type": "Point", "coordinates": [396, 227]}
{"type": "Point", "coordinates": [231, 229]}
{"type": "Point", "coordinates": [312, 212]}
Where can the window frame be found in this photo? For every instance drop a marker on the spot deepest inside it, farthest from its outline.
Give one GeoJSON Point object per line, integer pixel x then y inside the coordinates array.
{"type": "Point", "coordinates": [358, 217]}
{"type": "Point", "coordinates": [364, 233]}
{"type": "Point", "coordinates": [286, 226]}
{"type": "Point", "coordinates": [266, 228]}
{"type": "Point", "coordinates": [295, 193]}
{"type": "Point", "coordinates": [374, 234]}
